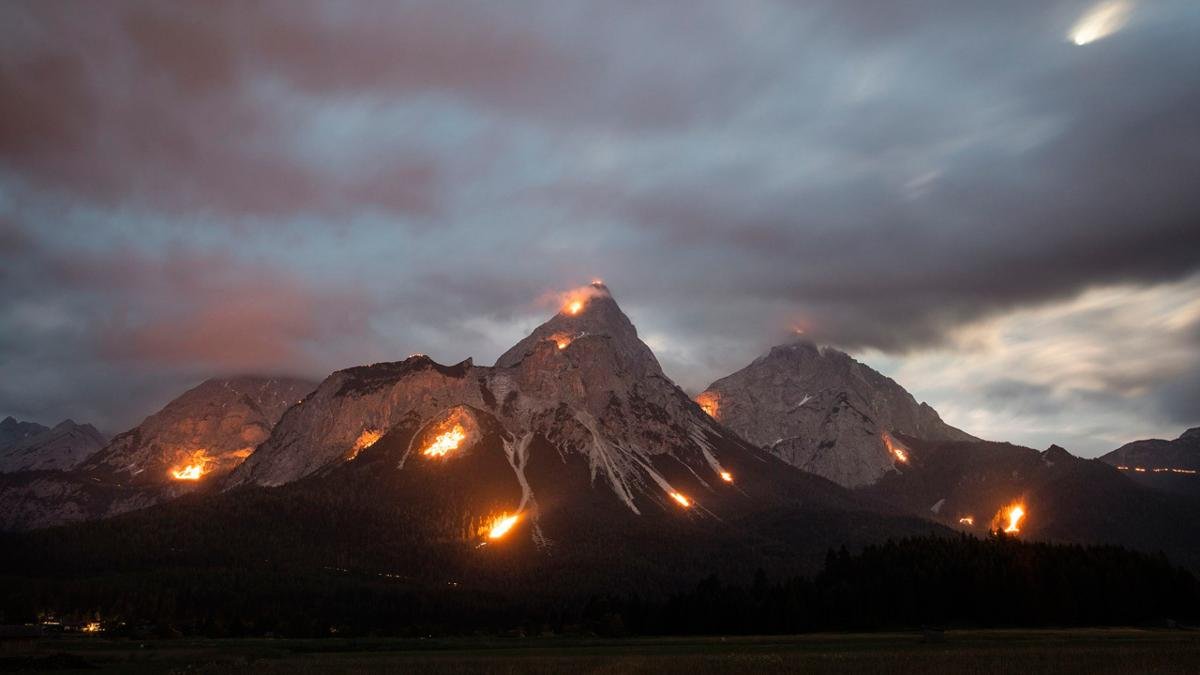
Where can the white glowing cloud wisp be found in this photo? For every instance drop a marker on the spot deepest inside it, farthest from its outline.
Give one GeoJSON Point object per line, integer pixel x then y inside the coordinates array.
{"type": "Point", "coordinates": [1101, 21]}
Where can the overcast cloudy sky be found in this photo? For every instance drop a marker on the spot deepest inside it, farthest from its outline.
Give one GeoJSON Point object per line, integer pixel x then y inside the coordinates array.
{"type": "Point", "coordinates": [1004, 220]}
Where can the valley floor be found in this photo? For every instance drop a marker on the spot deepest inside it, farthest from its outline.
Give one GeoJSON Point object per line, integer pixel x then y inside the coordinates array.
{"type": "Point", "coordinates": [983, 652]}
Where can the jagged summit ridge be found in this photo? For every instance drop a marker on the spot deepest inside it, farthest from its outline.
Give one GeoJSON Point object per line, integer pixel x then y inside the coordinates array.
{"type": "Point", "coordinates": [821, 410]}
{"type": "Point", "coordinates": [582, 382]}
{"type": "Point", "coordinates": [588, 314]}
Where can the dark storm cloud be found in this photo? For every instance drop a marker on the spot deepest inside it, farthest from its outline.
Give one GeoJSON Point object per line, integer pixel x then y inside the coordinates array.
{"type": "Point", "coordinates": [304, 185]}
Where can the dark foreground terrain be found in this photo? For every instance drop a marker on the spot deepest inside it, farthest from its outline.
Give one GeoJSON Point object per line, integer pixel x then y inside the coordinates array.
{"type": "Point", "coordinates": [1118, 650]}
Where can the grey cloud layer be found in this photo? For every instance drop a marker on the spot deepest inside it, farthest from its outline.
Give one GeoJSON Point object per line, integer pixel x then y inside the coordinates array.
{"type": "Point", "coordinates": [304, 183]}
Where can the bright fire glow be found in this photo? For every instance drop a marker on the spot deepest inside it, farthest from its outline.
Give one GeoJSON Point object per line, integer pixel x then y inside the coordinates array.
{"type": "Point", "coordinates": [574, 307]}
{"type": "Point", "coordinates": [726, 476]}
{"type": "Point", "coordinates": [683, 501]}
{"type": "Point", "coordinates": [561, 340]}
{"type": "Point", "coordinates": [193, 468]}
{"type": "Point", "coordinates": [446, 442]}
{"type": "Point", "coordinates": [1009, 518]}
{"type": "Point", "coordinates": [709, 403]}
{"type": "Point", "coordinates": [893, 446]}
{"type": "Point", "coordinates": [365, 440]}
{"type": "Point", "coordinates": [966, 520]}
{"type": "Point", "coordinates": [91, 627]}
{"type": "Point", "coordinates": [1101, 20]}
{"type": "Point", "coordinates": [501, 525]}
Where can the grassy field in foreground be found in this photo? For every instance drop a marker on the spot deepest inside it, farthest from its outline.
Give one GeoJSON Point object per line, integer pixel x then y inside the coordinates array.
{"type": "Point", "coordinates": [1057, 651]}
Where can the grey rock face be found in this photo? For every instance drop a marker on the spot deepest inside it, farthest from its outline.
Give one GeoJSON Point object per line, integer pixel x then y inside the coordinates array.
{"type": "Point", "coordinates": [59, 449]}
{"type": "Point", "coordinates": [822, 411]}
{"type": "Point", "coordinates": [582, 381]}
{"type": "Point", "coordinates": [216, 424]}
{"type": "Point", "coordinates": [13, 431]}
{"type": "Point", "coordinates": [213, 426]}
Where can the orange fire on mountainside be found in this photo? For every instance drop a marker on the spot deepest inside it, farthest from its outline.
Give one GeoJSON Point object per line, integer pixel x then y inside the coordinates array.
{"type": "Point", "coordinates": [500, 525]}
{"type": "Point", "coordinates": [1009, 519]}
{"type": "Point", "coordinates": [365, 440]}
{"type": "Point", "coordinates": [683, 501]}
{"type": "Point", "coordinates": [576, 300]}
{"type": "Point", "coordinates": [726, 476]}
{"type": "Point", "coordinates": [446, 442]}
{"type": "Point", "coordinates": [561, 340]}
{"type": "Point", "coordinates": [192, 468]}
{"type": "Point", "coordinates": [966, 520]}
{"type": "Point", "coordinates": [709, 403]}
{"type": "Point", "coordinates": [895, 448]}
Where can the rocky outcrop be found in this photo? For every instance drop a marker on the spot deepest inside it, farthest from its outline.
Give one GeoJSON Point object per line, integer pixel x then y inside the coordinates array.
{"type": "Point", "coordinates": [14, 431]}
{"type": "Point", "coordinates": [216, 424]}
{"type": "Point", "coordinates": [822, 411]}
{"type": "Point", "coordinates": [59, 449]}
{"type": "Point", "coordinates": [200, 435]}
{"type": "Point", "coordinates": [582, 382]}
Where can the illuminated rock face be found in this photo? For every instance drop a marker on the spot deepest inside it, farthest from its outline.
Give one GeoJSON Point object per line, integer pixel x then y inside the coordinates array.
{"type": "Point", "coordinates": [599, 398]}
{"type": "Point", "coordinates": [225, 419]}
{"type": "Point", "coordinates": [190, 443]}
{"type": "Point", "coordinates": [822, 411]}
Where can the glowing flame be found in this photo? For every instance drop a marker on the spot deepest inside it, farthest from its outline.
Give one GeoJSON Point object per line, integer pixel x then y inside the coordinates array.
{"type": "Point", "coordinates": [895, 448]}
{"type": "Point", "coordinates": [966, 520]}
{"type": "Point", "coordinates": [194, 468]}
{"type": "Point", "coordinates": [726, 476]}
{"type": "Point", "coordinates": [365, 440]}
{"type": "Point", "coordinates": [1009, 519]}
{"type": "Point", "coordinates": [709, 403]}
{"type": "Point", "coordinates": [1101, 21]}
{"type": "Point", "coordinates": [445, 442]}
{"type": "Point", "coordinates": [683, 501]}
{"type": "Point", "coordinates": [501, 525]}
{"type": "Point", "coordinates": [561, 340]}
{"type": "Point", "coordinates": [91, 627]}
{"type": "Point", "coordinates": [576, 300]}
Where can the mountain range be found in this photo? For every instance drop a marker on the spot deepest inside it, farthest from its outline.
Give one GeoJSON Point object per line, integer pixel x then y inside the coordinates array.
{"type": "Point", "coordinates": [573, 453]}
{"type": "Point", "coordinates": [28, 446]}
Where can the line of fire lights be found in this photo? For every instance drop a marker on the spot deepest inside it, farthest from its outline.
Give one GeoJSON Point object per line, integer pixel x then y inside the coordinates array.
{"type": "Point", "coordinates": [1161, 469]}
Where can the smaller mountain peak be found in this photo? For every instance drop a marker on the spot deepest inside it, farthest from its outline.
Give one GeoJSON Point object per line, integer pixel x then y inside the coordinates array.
{"type": "Point", "coordinates": [800, 344]}
{"type": "Point", "coordinates": [1056, 453]}
{"type": "Point", "coordinates": [588, 310]}
{"type": "Point", "coordinates": [1191, 434]}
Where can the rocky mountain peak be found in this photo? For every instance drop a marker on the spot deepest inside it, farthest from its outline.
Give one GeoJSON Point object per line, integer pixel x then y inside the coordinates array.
{"type": "Point", "coordinates": [1056, 454]}
{"type": "Point", "coordinates": [211, 428]}
{"type": "Point", "coordinates": [823, 411]}
{"type": "Point", "coordinates": [13, 431]}
{"type": "Point", "coordinates": [582, 386]}
{"type": "Point", "coordinates": [1192, 434]}
{"type": "Point", "coordinates": [58, 449]}
{"type": "Point", "coordinates": [589, 316]}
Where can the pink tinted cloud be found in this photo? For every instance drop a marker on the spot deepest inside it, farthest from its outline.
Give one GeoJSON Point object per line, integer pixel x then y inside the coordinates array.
{"type": "Point", "coordinates": [212, 313]}
{"type": "Point", "coordinates": [153, 105]}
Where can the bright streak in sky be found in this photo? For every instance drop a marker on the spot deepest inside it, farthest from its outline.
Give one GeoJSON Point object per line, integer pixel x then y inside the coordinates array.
{"type": "Point", "coordinates": [1101, 20]}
